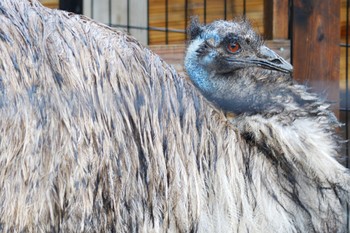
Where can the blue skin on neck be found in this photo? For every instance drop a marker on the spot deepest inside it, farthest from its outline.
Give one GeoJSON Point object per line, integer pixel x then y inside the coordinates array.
{"type": "Point", "coordinates": [196, 74]}
{"type": "Point", "coordinates": [195, 69]}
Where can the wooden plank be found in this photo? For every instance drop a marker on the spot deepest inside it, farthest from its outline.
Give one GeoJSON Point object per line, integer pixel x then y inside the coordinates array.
{"type": "Point", "coordinates": [315, 44]}
{"type": "Point", "coordinates": [173, 54]}
{"type": "Point", "coordinates": [276, 19]}
{"type": "Point", "coordinates": [50, 3]}
{"type": "Point", "coordinates": [343, 15]}
{"type": "Point", "coordinates": [281, 47]}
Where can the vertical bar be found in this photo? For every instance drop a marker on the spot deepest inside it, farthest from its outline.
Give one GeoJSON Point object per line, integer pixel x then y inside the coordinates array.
{"type": "Point", "coordinates": [290, 17]}
{"type": "Point", "coordinates": [225, 9]}
{"type": "Point", "coordinates": [244, 8]}
{"type": "Point", "coordinates": [205, 11]}
{"type": "Point", "coordinates": [268, 19]}
{"type": "Point", "coordinates": [148, 33]}
{"type": "Point", "coordinates": [128, 15]}
{"type": "Point", "coordinates": [347, 103]}
{"type": "Point", "coordinates": [92, 8]}
{"type": "Point", "coordinates": [291, 2]}
{"type": "Point", "coordinates": [276, 19]}
{"type": "Point", "coordinates": [186, 18]}
{"type": "Point", "coordinates": [166, 22]}
{"type": "Point", "coordinates": [109, 12]}
{"type": "Point", "coordinates": [347, 85]}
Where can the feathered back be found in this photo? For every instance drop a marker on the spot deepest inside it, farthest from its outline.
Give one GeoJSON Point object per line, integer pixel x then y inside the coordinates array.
{"type": "Point", "coordinates": [98, 134]}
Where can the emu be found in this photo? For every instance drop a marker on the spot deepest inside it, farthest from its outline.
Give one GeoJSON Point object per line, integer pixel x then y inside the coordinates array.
{"type": "Point", "coordinates": [98, 134]}
{"type": "Point", "coordinates": [292, 129]}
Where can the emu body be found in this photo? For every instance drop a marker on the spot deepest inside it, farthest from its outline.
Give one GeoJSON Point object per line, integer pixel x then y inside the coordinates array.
{"type": "Point", "coordinates": [98, 134]}
{"type": "Point", "coordinates": [293, 128]}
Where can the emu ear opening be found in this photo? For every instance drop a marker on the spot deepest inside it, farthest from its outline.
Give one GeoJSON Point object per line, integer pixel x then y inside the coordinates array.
{"type": "Point", "coordinates": [195, 28]}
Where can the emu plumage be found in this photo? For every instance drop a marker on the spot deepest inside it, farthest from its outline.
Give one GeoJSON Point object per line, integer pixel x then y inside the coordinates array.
{"type": "Point", "coordinates": [292, 129]}
{"type": "Point", "coordinates": [98, 134]}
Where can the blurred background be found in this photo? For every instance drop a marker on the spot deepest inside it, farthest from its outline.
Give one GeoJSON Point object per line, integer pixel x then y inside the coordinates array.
{"type": "Point", "coordinates": [312, 34]}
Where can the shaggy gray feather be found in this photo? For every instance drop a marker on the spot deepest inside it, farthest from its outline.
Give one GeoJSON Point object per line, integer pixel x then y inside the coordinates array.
{"type": "Point", "coordinates": [98, 134]}
{"type": "Point", "coordinates": [292, 130]}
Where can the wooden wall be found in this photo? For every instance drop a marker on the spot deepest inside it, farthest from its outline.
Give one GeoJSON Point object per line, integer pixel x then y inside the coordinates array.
{"type": "Point", "coordinates": [273, 24]}
{"type": "Point", "coordinates": [343, 49]}
{"type": "Point", "coordinates": [316, 50]}
{"type": "Point", "coordinates": [50, 3]}
{"type": "Point", "coordinates": [214, 10]}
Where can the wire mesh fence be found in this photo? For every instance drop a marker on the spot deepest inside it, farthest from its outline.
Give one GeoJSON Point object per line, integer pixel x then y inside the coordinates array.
{"type": "Point", "coordinates": [165, 22]}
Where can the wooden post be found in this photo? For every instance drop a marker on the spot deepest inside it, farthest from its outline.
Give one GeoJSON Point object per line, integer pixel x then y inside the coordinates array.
{"type": "Point", "coordinates": [276, 16]}
{"type": "Point", "coordinates": [315, 45]}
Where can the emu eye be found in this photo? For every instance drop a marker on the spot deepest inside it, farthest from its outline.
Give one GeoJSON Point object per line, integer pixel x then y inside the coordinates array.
{"type": "Point", "coordinates": [233, 47]}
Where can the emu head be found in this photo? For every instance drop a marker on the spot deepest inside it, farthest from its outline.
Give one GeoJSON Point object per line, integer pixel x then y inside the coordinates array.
{"type": "Point", "coordinates": [228, 61]}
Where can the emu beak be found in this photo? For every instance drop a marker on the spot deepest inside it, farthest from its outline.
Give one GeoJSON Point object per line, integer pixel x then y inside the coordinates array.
{"type": "Point", "coordinates": [267, 58]}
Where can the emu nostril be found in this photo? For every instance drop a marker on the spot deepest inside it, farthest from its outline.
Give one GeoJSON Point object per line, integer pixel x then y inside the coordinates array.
{"type": "Point", "coordinates": [276, 61]}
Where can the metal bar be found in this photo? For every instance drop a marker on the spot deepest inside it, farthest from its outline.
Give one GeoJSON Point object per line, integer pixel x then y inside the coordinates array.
{"type": "Point", "coordinates": [290, 17]}
{"type": "Point", "coordinates": [244, 8]}
{"type": "Point", "coordinates": [92, 8]}
{"type": "Point", "coordinates": [291, 21]}
{"type": "Point", "coordinates": [148, 34]}
{"type": "Point", "coordinates": [164, 29]}
{"type": "Point", "coordinates": [205, 11]}
{"type": "Point", "coordinates": [186, 18]}
{"type": "Point", "coordinates": [150, 28]}
{"type": "Point", "coordinates": [347, 81]}
{"type": "Point", "coordinates": [109, 12]}
{"type": "Point", "coordinates": [225, 9]}
{"type": "Point", "coordinates": [346, 99]}
{"type": "Point", "coordinates": [345, 44]}
{"type": "Point", "coordinates": [166, 22]}
{"type": "Point", "coordinates": [128, 15]}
